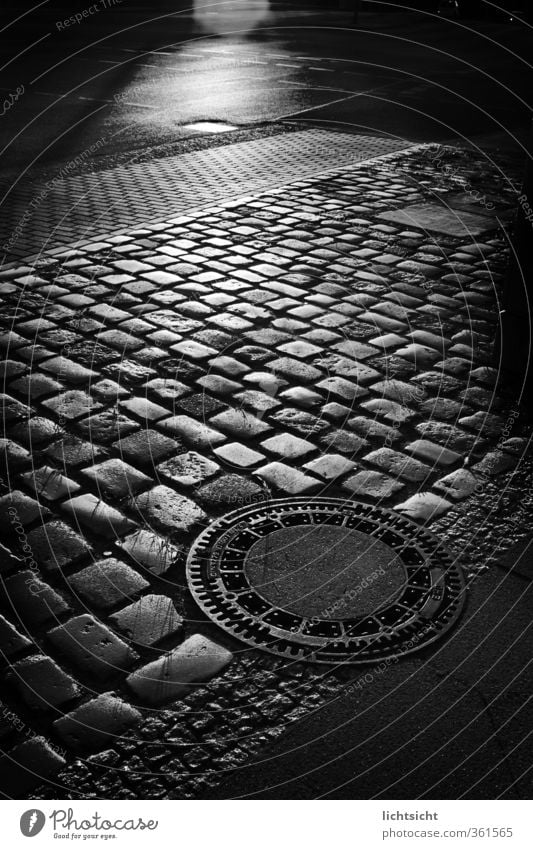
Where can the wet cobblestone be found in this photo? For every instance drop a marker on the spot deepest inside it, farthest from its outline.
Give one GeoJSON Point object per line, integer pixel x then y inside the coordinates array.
{"type": "Point", "coordinates": [338, 358]}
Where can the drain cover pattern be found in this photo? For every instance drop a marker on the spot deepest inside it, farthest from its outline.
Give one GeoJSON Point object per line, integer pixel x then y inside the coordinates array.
{"type": "Point", "coordinates": [326, 580]}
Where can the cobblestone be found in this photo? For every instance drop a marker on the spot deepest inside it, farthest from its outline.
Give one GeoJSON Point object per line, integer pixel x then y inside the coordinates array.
{"type": "Point", "coordinates": [149, 620]}
{"type": "Point", "coordinates": [150, 551]}
{"type": "Point", "coordinates": [55, 545]}
{"type": "Point", "coordinates": [97, 723]}
{"type": "Point", "coordinates": [31, 759]}
{"type": "Point", "coordinates": [199, 338]}
{"type": "Point", "coordinates": [372, 485]}
{"type": "Point", "coordinates": [93, 513]}
{"type": "Point", "coordinates": [146, 448]}
{"type": "Point", "coordinates": [286, 479]}
{"type": "Point", "coordinates": [92, 647]}
{"type": "Point", "coordinates": [237, 454]}
{"type": "Point", "coordinates": [107, 583]}
{"type": "Point", "coordinates": [167, 510]}
{"type": "Point", "coordinates": [30, 600]}
{"type": "Point", "coordinates": [42, 684]}
{"type": "Point", "coordinates": [188, 469]}
{"type": "Point", "coordinates": [197, 659]}
{"type": "Point", "coordinates": [11, 642]}
{"type": "Point", "coordinates": [398, 464]}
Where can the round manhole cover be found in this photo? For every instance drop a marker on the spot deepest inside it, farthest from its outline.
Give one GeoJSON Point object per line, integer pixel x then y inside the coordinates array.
{"type": "Point", "coordinates": [325, 580]}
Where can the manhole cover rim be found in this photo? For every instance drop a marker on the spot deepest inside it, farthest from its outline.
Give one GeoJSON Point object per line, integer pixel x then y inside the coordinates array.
{"type": "Point", "coordinates": [220, 604]}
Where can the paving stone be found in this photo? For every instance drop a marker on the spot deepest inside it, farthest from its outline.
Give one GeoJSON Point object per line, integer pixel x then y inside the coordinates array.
{"type": "Point", "coordinates": [119, 340]}
{"type": "Point", "coordinates": [108, 313]}
{"type": "Point", "coordinates": [166, 510]}
{"type": "Point", "coordinates": [254, 353]}
{"type": "Point", "coordinates": [427, 450]}
{"type": "Point", "coordinates": [150, 551]}
{"type": "Point", "coordinates": [420, 355]}
{"type": "Point", "coordinates": [96, 724]}
{"type": "Point", "coordinates": [72, 451]}
{"type": "Point", "coordinates": [194, 350]}
{"type": "Point", "coordinates": [299, 349]}
{"type": "Point", "coordinates": [17, 508]}
{"type": "Point", "coordinates": [343, 441]}
{"type": "Point", "coordinates": [230, 491]}
{"type": "Point", "coordinates": [458, 484]}
{"type": "Point", "coordinates": [398, 464]}
{"type": "Point", "coordinates": [200, 405]}
{"type": "Point", "coordinates": [373, 429]}
{"type": "Point", "coordinates": [515, 445]}
{"type": "Point", "coordinates": [495, 463]}
{"type": "Point", "coordinates": [116, 478]}
{"type": "Point", "coordinates": [188, 469]}
{"type": "Point", "coordinates": [397, 390]}
{"type": "Point", "coordinates": [144, 409]}
{"type": "Point", "coordinates": [42, 684]}
{"type": "Point", "coordinates": [259, 402]}
{"type": "Point", "coordinates": [339, 366]}
{"type": "Point", "coordinates": [372, 485]}
{"type": "Point", "coordinates": [287, 446]}
{"type": "Point", "coordinates": [29, 764]}
{"type": "Point", "coordinates": [300, 421]}
{"type": "Point", "coordinates": [10, 369]}
{"type": "Point", "coordinates": [13, 457]}
{"type": "Point", "coordinates": [424, 506]}
{"type": "Point", "coordinates": [92, 647]}
{"type": "Point", "coordinates": [107, 426]}
{"type": "Point", "coordinates": [30, 600]}
{"type": "Point", "coordinates": [219, 385]}
{"type": "Point", "coordinates": [330, 466]}
{"type": "Point", "coordinates": [130, 372]}
{"type": "Point", "coordinates": [388, 342]}
{"type": "Point", "coordinates": [354, 349]}
{"type": "Point", "coordinates": [391, 411]}
{"type": "Point", "coordinates": [55, 545]}
{"type": "Point", "coordinates": [35, 386]}
{"type": "Point", "coordinates": [95, 514]}
{"type": "Point", "coordinates": [443, 409]}
{"type": "Point", "coordinates": [239, 423]}
{"type": "Point", "coordinates": [146, 447]}
{"type": "Point", "coordinates": [171, 676]}
{"type": "Point", "coordinates": [294, 370]}
{"type": "Point", "coordinates": [338, 387]}
{"type": "Point", "coordinates": [11, 642]}
{"type": "Point", "coordinates": [484, 424]}
{"type": "Point", "coordinates": [229, 366]}
{"type": "Point", "coordinates": [382, 323]}
{"type": "Point", "coordinates": [48, 483]}
{"type": "Point", "coordinates": [107, 583]}
{"type": "Point", "coordinates": [302, 396]}
{"type": "Point", "coordinates": [439, 343]}
{"type": "Point", "coordinates": [193, 432]}
{"type": "Point", "coordinates": [237, 454]}
{"type": "Point", "coordinates": [67, 371]}
{"type": "Point", "coordinates": [35, 432]}
{"type": "Point", "coordinates": [337, 412]}
{"type": "Point", "coordinates": [149, 620]}
{"type": "Point", "coordinates": [286, 479]}
{"type": "Point", "coordinates": [452, 437]}
{"type": "Point", "coordinates": [166, 389]}
{"type": "Point", "coordinates": [266, 381]}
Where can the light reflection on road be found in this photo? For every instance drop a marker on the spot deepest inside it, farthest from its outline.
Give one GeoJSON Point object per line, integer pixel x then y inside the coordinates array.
{"type": "Point", "coordinates": [230, 15]}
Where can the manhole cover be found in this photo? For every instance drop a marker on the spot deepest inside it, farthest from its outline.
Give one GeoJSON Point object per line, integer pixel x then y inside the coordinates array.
{"type": "Point", "coordinates": [325, 580]}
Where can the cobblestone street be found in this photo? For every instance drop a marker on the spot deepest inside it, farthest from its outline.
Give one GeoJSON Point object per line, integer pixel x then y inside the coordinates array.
{"type": "Point", "coordinates": [331, 334]}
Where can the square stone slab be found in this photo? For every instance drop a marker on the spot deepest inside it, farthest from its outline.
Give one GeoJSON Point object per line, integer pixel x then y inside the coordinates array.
{"type": "Point", "coordinates": [436, 217]}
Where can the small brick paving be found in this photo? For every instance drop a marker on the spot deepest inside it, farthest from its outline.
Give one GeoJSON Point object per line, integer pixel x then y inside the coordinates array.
{"type": "Point", "coordinates": [284, 344]}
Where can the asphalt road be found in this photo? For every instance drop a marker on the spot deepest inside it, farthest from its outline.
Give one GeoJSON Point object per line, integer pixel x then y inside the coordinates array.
{"type": "Point", "coordinates": [132, 76]}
